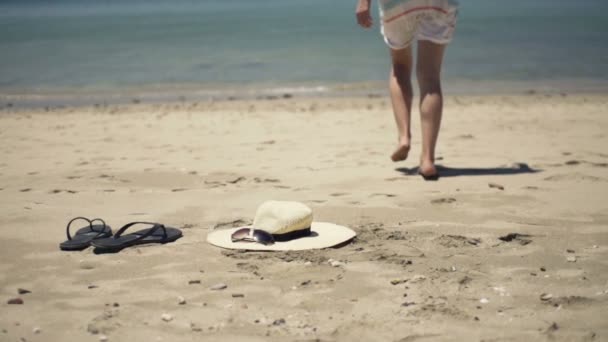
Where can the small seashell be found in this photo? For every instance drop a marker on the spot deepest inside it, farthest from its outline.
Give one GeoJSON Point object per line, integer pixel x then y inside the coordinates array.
{"type": "Point", "coordinates": [218, 287]}
{"type": "Point", "coordinates": [546, 296]}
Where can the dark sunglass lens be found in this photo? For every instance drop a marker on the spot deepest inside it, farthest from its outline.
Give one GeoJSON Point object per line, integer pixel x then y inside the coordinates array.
{"type": "Point", "coordinates": [263, 237]}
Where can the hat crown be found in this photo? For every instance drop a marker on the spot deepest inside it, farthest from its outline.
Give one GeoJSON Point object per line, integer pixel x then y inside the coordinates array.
{"type": "Point", "coordinates": [281, 217]}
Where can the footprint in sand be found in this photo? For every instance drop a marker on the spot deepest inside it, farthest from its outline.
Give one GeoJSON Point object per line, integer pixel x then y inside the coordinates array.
{"type": "Point", "coordinates": [245, 266]}
{"type": "Point", "coordinates": [599, 164]}
{"type": "Point", "coordinates": [230, 224]}
{"type": "Point", "coordinates": [454, 241]}
{"type": "Point", "coordinates": [572, 177]}
{"type": "Point", "coordinates": [57, 191]}
{"type": "Point", "coordinates": [265, 180]}
{"type": "Point", "coordinates": [570, 301]}
{"type": "Point", "coordinates": [395, 179]}
{"type": "Point", "coordinates": [236, 180]}
{"type": "Point", "coordinates": [382, 194]}
{"type": "Point", "coordinates": [444, 200]}
{"type": "Point", "coordinates": [214, 184]}
{"type": "Point", "coordinates": [522, 239]}
{"type": "Point", "coordinates": [338, 194]}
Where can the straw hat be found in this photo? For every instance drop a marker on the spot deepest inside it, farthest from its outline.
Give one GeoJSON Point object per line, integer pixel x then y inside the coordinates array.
{"type": "Point", "coordinates": [292, 227]}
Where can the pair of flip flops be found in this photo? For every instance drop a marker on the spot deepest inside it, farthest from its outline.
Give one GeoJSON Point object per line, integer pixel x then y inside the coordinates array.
{"type": "Point", "coordinates": [100, 236]}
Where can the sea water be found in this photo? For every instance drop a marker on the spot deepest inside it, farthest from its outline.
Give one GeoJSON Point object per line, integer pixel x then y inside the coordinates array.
{"type": "Point", "coordinates": [217, 47]}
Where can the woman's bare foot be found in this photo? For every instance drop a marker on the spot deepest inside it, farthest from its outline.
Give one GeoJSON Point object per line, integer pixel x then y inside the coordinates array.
{"type": "Point", "coordinates": [401, 152]}
{"type": "Point", "coordinates": [428, 171]}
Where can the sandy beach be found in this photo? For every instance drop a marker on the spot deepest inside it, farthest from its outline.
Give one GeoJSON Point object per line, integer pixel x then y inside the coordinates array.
{"type": "Point", "coordinates": [511, 244]}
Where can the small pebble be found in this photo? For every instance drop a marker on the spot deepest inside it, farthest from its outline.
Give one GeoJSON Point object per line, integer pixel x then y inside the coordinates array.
{"type": "Point", "coordinates": [15, 301]}
{"type": "Point", "coordinates": [36, 330]}
{"type": "Point", "coordinates": [191, 282]}
{"type": "Point", "coordinates": [115, 305]}
{"type": "Point", "coordinates": [542, 269]}
{"type": "Point", "coordinates": [181, 300]}
{"type": "Point", "coordinates": [595, 246]}
{"type": "Point", "coordinates": [279, 321]}
{"type": "Point", "coordinates": [453, 268]}
{"type": "Point", "coordinates": [238, 295]}
{"type": "Point", "coordinates": [484, 300]}
{"type": "Point", "coordinates": [195, 327]}
{"type": "Point", "coordinates": [546, 296]}
{"type": "Point", "coordinates": [103, 338]}
{"type": "Point", "coordinates": [336, 263]}
{"type": "Point", "coordinates": [166, 317]}
{"type": "Point", "coordinates": [93, 286]}
{"type": "Point", "coordinates": [571, 259]}
{"type": "Point", "coordinates": [570, 251]}
{"type": "Point", "coordinates": [496, 186]}
{"type": "Point", "coordinates": [398, 281]}
{"type": "Point", "coordinates": [219, 286]}
{"type": "Point", "coordinates": [23, 291]}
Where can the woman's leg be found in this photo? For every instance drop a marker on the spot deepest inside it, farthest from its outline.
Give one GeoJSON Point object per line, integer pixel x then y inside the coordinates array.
{"type": "Point", "coordinates": [428, 71]}
{"type": "Point", "coordinates": [401, 96]}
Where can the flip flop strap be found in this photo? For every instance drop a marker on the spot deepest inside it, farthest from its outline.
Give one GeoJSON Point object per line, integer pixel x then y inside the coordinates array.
{"type": "Point", "coordinates": [155, 227]}
{"type": "Point", "coordinates": [67, 229]}
{"type": "Point", "coordinates": [103, 228]}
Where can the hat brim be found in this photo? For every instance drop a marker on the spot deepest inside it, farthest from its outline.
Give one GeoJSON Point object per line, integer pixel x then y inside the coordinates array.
{"type": "Point", "coordinates": [323, 235]}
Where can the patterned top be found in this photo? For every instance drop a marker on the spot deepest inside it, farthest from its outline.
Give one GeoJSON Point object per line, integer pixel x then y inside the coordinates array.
{"type": "Point", "coordinates": [391, 10]}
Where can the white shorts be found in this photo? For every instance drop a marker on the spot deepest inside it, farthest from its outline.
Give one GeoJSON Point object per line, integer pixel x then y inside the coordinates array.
{"type": "Point", "coordinates": [406, 20]}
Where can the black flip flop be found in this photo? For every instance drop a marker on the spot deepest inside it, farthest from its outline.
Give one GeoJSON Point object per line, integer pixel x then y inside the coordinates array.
{"type": "Point", "coordinates": [157, 234]}
{"type": "Point", "coordinates": [83, 237]}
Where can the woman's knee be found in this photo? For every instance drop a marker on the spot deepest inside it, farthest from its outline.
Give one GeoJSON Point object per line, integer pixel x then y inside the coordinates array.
{"type": "Point", "coordinates": [428, 80]}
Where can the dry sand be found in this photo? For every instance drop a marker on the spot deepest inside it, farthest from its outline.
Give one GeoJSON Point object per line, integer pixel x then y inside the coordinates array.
{"type": "Point", "coordinates": [427, 265]}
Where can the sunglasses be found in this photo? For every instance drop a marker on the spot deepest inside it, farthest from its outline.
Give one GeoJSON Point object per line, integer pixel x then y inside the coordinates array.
{"type": "Point", "coordinates": [252, 235]}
